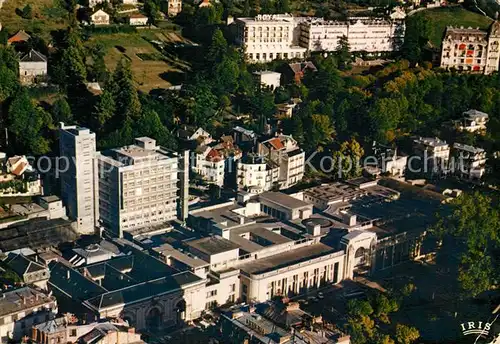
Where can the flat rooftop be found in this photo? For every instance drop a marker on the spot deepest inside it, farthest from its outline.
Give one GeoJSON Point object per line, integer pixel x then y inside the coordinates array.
{"type": "Point", "coordinates": [334, 192]}
{"type": "Point", "coordinates": [292, 257]}
{"type": "Point", "coordinates": [169, 251]}
{"type": "Point", "coordinates": [261, 235]}
{"type": "Point", "coordinates": [223, 214]}
{"type": "Point", "coordinates": [283, 200]}
{"type": "Point", "coordinates": [212, 245]}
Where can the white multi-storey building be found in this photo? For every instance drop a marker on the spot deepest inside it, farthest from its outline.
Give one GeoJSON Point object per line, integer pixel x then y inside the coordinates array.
{"type": "Point", "coordinates": [137, 186]}
{"type": "Point", "coordinates": [282, 36]}
{"type": "Point", "coordinates": [257, 174]}
{"type": "Point", "coordinates": [468, 162]}
{"type": "Point", "coordinates": [434, 154]}
{"type": "Point", "coordinates": [212, 161]}
{"type": "Point", "coordinates": [279, 163]}
{"type": "Point", "coordinates": [77, 146]}
{"type": "Point", "coordinates": [372, 35]}
{"type": "Point", "coordinates": [269, 37]}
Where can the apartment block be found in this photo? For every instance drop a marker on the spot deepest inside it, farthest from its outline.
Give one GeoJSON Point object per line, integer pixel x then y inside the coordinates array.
{"type": "Point", "coordinates": [77, 146]}
{"type": "Point", "coordinates": [434, 154]}
{"type": "Point", "coordinates": [471, 50]}
{"type": "Point", "coordinates": [468, 162]}
{"type": "Point", "coordinates": [137, 186]}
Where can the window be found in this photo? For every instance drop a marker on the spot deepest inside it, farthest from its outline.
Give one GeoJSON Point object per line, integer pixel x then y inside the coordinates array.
{"type": "Point", "coordinates": [232, 288]}
{"type": "Point", "coordinates": [211, 293]}
{"type": "Point", "coordinates": [73, 332]}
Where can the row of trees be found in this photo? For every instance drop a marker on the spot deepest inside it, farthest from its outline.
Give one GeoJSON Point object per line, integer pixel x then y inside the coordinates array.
{"type": "Point", "coordinates": [365, 315]}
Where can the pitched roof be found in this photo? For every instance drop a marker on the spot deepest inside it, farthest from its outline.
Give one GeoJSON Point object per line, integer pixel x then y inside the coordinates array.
{"type": "Point", "coordinates": [21, 265]}
{"type": "Point", "coordinates": [302, 66]}
{"type": "Point", "coordinates": [101, 12]}
{"type": "Point", "coordinates": [276, 143]}
{"type": "Point", "coordinates": [20, 36]}
{"type": "Point", "coordinates": [137, 16]}
{"type": "Point", "coordinates": [34, 56]}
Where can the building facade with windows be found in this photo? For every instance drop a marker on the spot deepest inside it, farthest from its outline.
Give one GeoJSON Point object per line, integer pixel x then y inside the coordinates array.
{"type": "Point", "coordinates": [283, 36]}
{"type": "Point", "coordinates": [468, 162]}
{"type": "Point", "coordinates": [372, 35]}
{"type": "Point", "coordinates": [269, 37]}
{"type": "Point", "coordinates": [471, 50]}
{"type": "Point", "coordinates": [137, 186]}
{"type": "Point", "coordinates": [77, 146]}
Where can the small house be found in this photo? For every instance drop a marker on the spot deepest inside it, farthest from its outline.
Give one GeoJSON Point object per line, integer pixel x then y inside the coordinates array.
{"type": "Point", "coordinates": [137, 19]}
{"type": "Point", "coordinates": [32, 67]}
{"type": "Point", "coordinates": [100, 18]}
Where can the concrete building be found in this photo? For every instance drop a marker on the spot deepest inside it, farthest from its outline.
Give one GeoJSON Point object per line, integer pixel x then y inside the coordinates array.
{"type": "Point", "coordinates": [468, 162]}
{"type": "Point", "coordinates": [134, 286]}
{"type": "Point", "coordinates": [174, 7]}
{"type": "Point", "coordinates": [269, 37]}
{"type": "Point", "coordinates": [471, 50]}
{"type": "Point", "coordinates": [77, 146]}
{"type": "Point", "coordinates": [434, 155]}
{"type": "Point", "coordinates": [130, 2]}
{"type": "Point", "coordinates": [68, 329]}
{"type": "Point", "coordinates": [32, 67]}
{"type": "Point", "coordinates": [137, 186]}
{"type": "Point", "coordinates": [137, 19]}
{"type": "Point", "coordinates": [99, 18]}
{"type": "Point", "coordinates": [22, 308]}
{"type": "Point", "coordinates": [268, 79]}
{"type": "Point", "coordinates": [372, 35]}
{"type": "Point", "coordinates": [473, 121]}
{"type": "Point", "coordinates": [272, 260]}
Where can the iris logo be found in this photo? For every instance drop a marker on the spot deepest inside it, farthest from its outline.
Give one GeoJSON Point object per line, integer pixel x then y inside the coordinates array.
{"type": "Point", "coordinates": [478, 327]}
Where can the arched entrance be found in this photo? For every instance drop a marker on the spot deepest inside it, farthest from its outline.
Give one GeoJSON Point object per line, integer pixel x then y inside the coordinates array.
{"type": "Point", "coordinates": [154, 319]}
{"type": "Point", "coordinates": [360, 256]}
{"type": "Point", "coordinates": [180, 309]}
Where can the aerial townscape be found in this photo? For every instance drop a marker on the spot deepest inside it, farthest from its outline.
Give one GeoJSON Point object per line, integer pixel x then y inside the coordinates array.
{"type": "Point", "coordinates": [250, 172]}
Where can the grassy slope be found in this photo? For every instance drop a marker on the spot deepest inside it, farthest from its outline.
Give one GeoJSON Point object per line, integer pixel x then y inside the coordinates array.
{"type": "Point", "coordinates": [440, 18]}
{"type": "Point", "coordinates": [46, 17]}
{"type": "Point", "coordinates": [147, 74]}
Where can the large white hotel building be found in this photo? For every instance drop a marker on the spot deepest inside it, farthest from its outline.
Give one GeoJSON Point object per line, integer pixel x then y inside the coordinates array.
{"type": "Point", "coordinates": [282, 36]}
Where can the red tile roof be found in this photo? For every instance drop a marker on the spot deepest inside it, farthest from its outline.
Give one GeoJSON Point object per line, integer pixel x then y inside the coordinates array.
{"type": "Point", "coordinates": [276, 143]}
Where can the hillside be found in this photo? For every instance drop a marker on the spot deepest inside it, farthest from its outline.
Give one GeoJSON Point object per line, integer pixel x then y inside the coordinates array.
{"type": "Point", "coordinates": [442, 17]}
{"type": "Point", "coordinates": [47, 16]}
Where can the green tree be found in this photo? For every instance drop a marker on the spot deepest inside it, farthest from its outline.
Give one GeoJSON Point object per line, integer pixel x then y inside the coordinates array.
{"type": "Point", "coordinates": [27, 12]}
{"type": "Point", "coordinates": [357, 308]}
{"type": "Point", "coordinates": [382, 306]}
{"type": "Point", "coordinates": [26, 123]}
{"type": "Point", "coordinates": [474, 219]}
{"type": "Point", "coordinates": [322, 130]}
{"type": "Point", "coordinates": [416, 37]}
{"type": "Point", "coordinates": [124, 91]}
{"type": "Point", "coordinates": [246, 9]}
{"type": "Point", "coordinates": [151, 11]}
{"type": "Point", "coordinates": [103, 111]}
{"type": "Point", "coordinates": [283, 6]}
{"type": "Point", "coordinates": [406, 334]}
{"type": "Point", "coordinates": [343, 53]}
{"type": "Point", "coordinates": [347, 159]}
{"type": "Point", "coordinates": [8, 83]}
{"type": "Point", "coordinates": [218, 48]}
{"type": "Point", "coordinates": [98, 71]}
{"type": "Point", "coordinates": [61, 111]}
{"type": "Point", "coordinates": [150, 125]}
